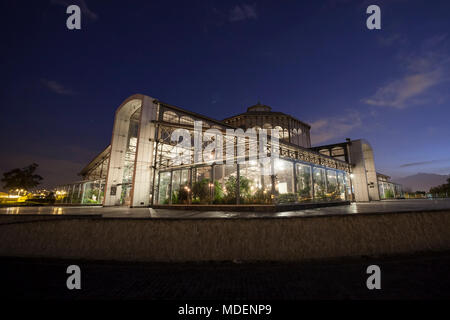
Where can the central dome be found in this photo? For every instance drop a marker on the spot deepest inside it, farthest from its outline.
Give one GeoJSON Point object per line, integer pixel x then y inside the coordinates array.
{"type": "Point", "coordinates": [259, 107]}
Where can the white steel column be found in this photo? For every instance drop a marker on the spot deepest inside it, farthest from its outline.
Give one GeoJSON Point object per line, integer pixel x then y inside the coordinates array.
{"type": "Point", "coordinates": [144, 154]}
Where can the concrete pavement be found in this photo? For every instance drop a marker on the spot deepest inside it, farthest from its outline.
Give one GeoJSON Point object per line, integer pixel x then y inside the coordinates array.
{"type": "Point", "coordinates": [405, 205]}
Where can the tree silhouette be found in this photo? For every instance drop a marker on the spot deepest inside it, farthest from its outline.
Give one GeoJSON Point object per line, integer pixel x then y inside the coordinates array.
{"type": "Point", "coordinates": [24, 178]}
{"type": "Point", "coordinates": [443, 190]}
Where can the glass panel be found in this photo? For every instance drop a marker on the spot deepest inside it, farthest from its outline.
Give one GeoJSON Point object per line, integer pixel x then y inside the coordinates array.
{"type": "Point", "coordinates": [230, 183]}
{"type": "Point", "coordinates": [380, 189]}
{"type": "Point", "coordinates": [170, 116]}
{"type": "Point", "coordinates": [398, 191]}
{"type": "Point", "coordinates": [187, 120]}
{"type": "Point", "coordinates": [184, 193]}
{"type": "Point", "coordinates": [348, 187]}
{"type": "Point", "coordinates": [164, 186]}
{"type": "Point", "coordinates": [130, 154]}
{"type": "Point", "coordinates": [202, 187]}
{"type": "Point", "coordinates": [304, 190]}
{"type": "Point", "coordinates": [342, 186]}
{"type": "Point", "coordinates": [332, 186]}
{"type": "Point", "coordinates": [76, 194]}
{"type": "Point", "coordinates": [388, 190]}
{"type": "Point", "coordinates": [319, 184]}
{"type": "Point", "coordinates": [125, 195]}
{"type": "Point", "coordinates": [69, 194]}
{"type": "Point", "coordinates": [225, 184]}
{"type": "Point", "coordinates": [219, 184]}
{"type": "Point", "coordinates": [88, 194]}
{"type": "Point", "coordinates": [102, 191]}
{"type": "Point", "coordinates": [93, 192]}
{"type": "Point", "coordinates": [284, 181]}
{"type": "Point", "coordinates": [252, 184]}
{"type": "Point", "coordinates": [266, 171]}
{"type": "Point", "coordinates": [176, 182]}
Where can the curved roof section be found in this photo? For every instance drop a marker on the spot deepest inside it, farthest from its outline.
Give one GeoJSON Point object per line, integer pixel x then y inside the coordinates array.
{"type": "Point", "coordinates": [264, 110]}
{"type": "Point", "coordinates": [259, 107]}
{"type": "Point", "coordinates": [98, 158]}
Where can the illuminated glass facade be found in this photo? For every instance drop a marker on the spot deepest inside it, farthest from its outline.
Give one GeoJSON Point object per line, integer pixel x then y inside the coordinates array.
{"type": "Point", "coordinates": [146, 166]}
{"type": "Point", "coordinates": [388, 189]}
{"type": "Point", "coordinates": [294, 179]}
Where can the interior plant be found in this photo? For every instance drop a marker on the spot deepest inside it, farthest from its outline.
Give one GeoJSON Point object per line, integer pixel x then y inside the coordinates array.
{"type": "Point", "coordinates": [183, 194]}
{"type": "Point", "coordinates": [287, 198]}
{"type": "Point", "coordinates": [201, 191]}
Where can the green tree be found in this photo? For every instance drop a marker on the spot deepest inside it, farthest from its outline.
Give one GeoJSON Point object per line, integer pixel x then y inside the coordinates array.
{"type": "Point", "coordinates": [24, 178]}
{"type": "Point", "coordinates": [244, 188]}
{"type": "Point", "coordinates": [201, 191]}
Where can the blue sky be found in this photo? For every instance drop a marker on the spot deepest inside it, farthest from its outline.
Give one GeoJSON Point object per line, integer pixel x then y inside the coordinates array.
{"type": "Point", "coordinates": [315, 60]}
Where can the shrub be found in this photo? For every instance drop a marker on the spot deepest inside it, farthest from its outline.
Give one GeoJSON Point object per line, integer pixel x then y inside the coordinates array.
{"type": "Point", "coordinates": [287, 198]}
{"type": "Point", "coordinates": [230, 187]}
{"type": "Point", "coordinates": [388, 194]}
{"type": "Point", "coordinates": [201, 191]}
{"type": "Point", "coordinates": [183, 194]}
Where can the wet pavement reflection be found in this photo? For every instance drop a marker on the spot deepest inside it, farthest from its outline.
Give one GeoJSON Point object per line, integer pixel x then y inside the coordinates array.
{"type": "Point", "coordinates": [124, 212]}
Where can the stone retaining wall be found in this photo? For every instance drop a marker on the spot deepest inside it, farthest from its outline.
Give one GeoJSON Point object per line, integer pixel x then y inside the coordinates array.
{"type": "Point", "coordinates": [272, 239]}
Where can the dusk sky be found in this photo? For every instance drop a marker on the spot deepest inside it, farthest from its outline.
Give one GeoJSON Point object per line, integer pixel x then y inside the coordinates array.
{"type": "Point", "coordinates": [315, 60]}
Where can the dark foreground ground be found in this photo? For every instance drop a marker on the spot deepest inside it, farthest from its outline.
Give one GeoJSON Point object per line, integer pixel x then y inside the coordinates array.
{"type": "Point", "coordinates": [423, 276]}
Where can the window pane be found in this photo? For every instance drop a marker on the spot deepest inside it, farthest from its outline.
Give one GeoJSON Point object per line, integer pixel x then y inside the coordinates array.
{"type": "Point", "coordinates": [187, 120]}
{"type": "Point", "coordinates": [164, 182]}
{"type": "Point", "coordinates": [342, 185]}
{"type": "Point", "coordinates": [304, 182]}
{"type": "Point", "coordinates": [170, 116]}
{"type": "Point", "coordinates": [229, 183]}
{"type": "Point", "coordinates": [319, 184]}
{"type": "Point", "coordinates": [92, 193]}
{"type": "Point", "coordinates": [202, 188]}
{"type": "Point", "coordinates": [284, 181]}
{"type": "Point", "coordinates": [332, 186]}
{"type": "Point", "coordinates": [76, 195]}
{"type": "Point", "coordinates": [176, 182]}
{"type": "Point", "coordinates": [252, 184]}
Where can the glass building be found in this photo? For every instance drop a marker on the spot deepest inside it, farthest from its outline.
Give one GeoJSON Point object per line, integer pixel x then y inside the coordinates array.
{"type": "Point", "coordinates": [389, 189]}
{"type": "Point", "coordinates": [163, 155]}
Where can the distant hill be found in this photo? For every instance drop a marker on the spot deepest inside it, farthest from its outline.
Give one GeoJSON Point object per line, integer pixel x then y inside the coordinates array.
{"type": "Point", "coordinates": [421, 181]}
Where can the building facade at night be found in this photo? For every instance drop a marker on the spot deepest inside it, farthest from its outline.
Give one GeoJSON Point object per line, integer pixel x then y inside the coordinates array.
{"type": "Point", "coordinates": [142, 166]}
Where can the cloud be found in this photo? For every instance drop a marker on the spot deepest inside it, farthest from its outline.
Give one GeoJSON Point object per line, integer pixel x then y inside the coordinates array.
{"type": "Point", "coordinates": [56, 87]}
{"type": "Point", "coordinates": [400, 93]}
{"type": "Point", "coordinates": [421, 70]}
{"type": "Point", "coordinates": [331, 128]}
{"type": "Point", "coordinates": [81, 3]}
{"type": "Point", "coordinates": [415, 164]}
{"type": "Point", "coordinates": [243, 12]}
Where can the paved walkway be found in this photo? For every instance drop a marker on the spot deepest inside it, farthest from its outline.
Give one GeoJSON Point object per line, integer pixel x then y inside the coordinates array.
{"type": "Point", "coordinates": [124, 212]}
